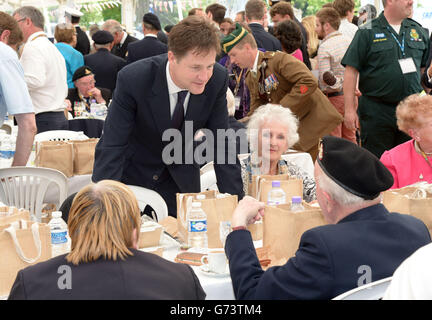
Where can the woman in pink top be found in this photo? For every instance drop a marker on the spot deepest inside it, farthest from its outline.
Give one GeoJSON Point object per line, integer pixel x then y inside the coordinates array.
{"type": "Point", "coordinates": [410, 162]}
{"type": "Point", "coordinates": [290, 37]}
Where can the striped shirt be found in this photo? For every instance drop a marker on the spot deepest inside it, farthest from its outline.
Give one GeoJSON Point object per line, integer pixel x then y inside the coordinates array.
{"type": "Point", "coordinates": [330, 54]}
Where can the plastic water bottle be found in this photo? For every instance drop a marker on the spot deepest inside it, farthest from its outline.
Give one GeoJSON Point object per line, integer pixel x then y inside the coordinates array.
{"type": "Point", "coordinates": [7, 150]}
{"type": "Point", "coordinates": [276, 195]}
{"type": "Point", "coordinates": [60, 240]}
{"type": "Point", "coordinates": [197, 227]}
{"type": "Point", "coordinates": [296, 204]}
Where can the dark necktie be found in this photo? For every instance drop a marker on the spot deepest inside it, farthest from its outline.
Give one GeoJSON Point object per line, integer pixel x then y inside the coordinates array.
{"type": "Point", "coordinates": [178, 115]}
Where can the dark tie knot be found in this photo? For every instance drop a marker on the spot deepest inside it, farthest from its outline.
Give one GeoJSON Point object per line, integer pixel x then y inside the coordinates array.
{"type": "Point", "coordinates": [181, 96]}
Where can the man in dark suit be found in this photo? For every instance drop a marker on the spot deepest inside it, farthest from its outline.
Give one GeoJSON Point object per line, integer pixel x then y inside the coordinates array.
{"type": "Point", "coordinates": [149, 46]}
{"type": "Point", "coordinates": [168, 96]}
{"type": "Point", "coordinates": [83, 42]}
{"type": "Point", "coordinates": [121, 38]}
{"type": "Point", "coordinates": [103, 63]}
{"type": "Point", "coordinates": [362, 240]}
{"type": "Point", "coordinates": [112, 267]}
{"type": "Point", "coordinates": [284, 11]}
{"type": "Point", "coordinates": [85, 90]}
{"type": "Point", "coordinates": [255, 15]}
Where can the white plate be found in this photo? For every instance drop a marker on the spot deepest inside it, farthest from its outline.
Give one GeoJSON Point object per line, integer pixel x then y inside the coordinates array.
{"type": "Point", "coordinates": [204, 269]}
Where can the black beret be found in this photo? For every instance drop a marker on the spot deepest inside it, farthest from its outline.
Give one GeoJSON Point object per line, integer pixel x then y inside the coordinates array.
{"type": "Point", "coordinates": [353, 168]}
{"type": "Point", "coordinates": [81, 72]}
{"type": "Point", "coordinates": [152, 19]}
{"type": "Point", "coordinates": [102, 37]}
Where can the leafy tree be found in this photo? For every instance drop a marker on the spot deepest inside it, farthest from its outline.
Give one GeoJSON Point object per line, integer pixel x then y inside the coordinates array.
{"type": "Point", "coordinates": [310, 7]}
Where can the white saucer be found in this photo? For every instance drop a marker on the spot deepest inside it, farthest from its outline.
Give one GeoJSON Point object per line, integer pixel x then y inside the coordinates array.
{"type": "Point", "coordinates": [204, 269]}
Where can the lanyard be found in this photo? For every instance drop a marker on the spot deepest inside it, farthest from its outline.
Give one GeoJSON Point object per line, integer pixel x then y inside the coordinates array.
{"type": "Point", "coordinates": [401, 46]}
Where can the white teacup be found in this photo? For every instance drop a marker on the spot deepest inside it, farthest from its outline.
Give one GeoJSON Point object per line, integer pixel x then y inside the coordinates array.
{"type": "Point", "coordinates": [215, 260]}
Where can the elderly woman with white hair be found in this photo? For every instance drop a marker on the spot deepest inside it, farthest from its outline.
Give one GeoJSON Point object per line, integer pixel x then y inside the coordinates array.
{"type": "Point", "coordinates": [272, 130]}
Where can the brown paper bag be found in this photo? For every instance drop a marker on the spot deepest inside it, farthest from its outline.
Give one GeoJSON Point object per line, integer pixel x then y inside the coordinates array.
{"type": "Point", "coordinates": [56, 155]}
{"type": "Point", "coordinates": [32, 245]}
{"type": "Point", "coordinates": [83, 159]}
{"type": "Point", "coordinates": [284, 228]}
{"type": "Point", "coordinates": [16, 215]}
{"type": "Point", "coordinates": [217, 210]}
{"type": "Point", "coordinates": [402, 201]}
{"type": "Point", "coordinates": [262, 184]}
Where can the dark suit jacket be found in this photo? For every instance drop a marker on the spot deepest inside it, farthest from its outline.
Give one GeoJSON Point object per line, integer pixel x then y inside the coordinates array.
{"type": "Point", "coordinates": [141, 276]}
{"type": "Point", "coordinates": [83, 42]}
{"type": "Point", "coordinates": [73, 96]}
{"type": "Point", "coordinates": [264, 39]}
{"type": "Point", "coordinates": [424, 75]}
{"type": "Point", "coordinates": [144, 48]}
{"type": "Point", "coordinates": [122, 51]}
{"type": "Point", "coordinates": [105, 66]}
{"type": "Point", "coordinates": [131, 147]}
{"type": "Point", "coordinates": [331, 259]}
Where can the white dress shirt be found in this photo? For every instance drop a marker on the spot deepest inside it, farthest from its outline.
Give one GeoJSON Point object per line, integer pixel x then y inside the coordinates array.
{"type": "Point", "coordinates": [45, 73]}
{"type": "Point", "coordinates": [347, 28]}
{"type": "Point", "coordinates": [173, 89]}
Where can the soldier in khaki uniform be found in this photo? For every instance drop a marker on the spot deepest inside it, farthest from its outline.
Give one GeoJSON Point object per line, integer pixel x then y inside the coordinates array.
{"type": "Point", "coordinates": [277, 77]}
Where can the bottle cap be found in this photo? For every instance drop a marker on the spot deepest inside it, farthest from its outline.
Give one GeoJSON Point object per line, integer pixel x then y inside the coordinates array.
{"type": "Point", "coordinates": [296, 199]}
{"type": "Point", "coordinates": [56, 214]}
{"type": "Point", "coordinates": [196, 204]}
{"type": "Point", "coordinates": [276, 184]}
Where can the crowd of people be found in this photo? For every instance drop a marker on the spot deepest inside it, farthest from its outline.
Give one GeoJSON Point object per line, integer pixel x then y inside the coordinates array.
{"type": "Point", "coordinates": [352, 93]}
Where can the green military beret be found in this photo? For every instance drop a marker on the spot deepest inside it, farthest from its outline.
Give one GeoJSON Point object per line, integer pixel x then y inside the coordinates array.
{"type": "Point", "coordinates": [233, 38]}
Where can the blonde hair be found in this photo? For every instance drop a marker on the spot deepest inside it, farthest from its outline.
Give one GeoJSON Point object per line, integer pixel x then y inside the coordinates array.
{"type": "Point", "coordinates": [101, 221]}
{"type": "Point", "coordinates": [272, 113]}
{"type": "Point", "coordinates": [412, 112]}
{"type": "Point", "coordinates": [64, 32]}
{"type": "Point", "coordinates": [309, 24]}
{"type": "Point", "coordinates": [230, 102]}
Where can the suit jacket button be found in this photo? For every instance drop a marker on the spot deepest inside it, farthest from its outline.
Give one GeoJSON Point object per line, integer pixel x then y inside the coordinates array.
{"type": "Point", "coordinates": [155, 177]}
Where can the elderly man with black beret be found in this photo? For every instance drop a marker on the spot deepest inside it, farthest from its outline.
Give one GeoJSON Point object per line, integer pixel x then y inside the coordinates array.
{"type": "Point", "coordinates": [104, 64]}
{"type": "Point", "coordinates": [149, 46]}
{"type": "Point", "coordinates": [361, 235]}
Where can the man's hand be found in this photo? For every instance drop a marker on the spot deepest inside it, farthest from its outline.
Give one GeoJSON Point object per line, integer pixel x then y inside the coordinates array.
{"type": "Point", "coordinates": [247, 212]}
{"type": "Point", "coordinates": [350, 119]}
{"type": "Point", "coordinates": [96, 93]}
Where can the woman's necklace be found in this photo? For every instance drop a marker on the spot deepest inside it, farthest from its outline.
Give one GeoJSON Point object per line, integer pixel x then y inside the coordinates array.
{"type": "Point", "coordinates": [424, 155]}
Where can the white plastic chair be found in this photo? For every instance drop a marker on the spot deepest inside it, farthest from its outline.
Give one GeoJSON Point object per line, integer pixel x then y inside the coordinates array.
{"type": "Point", "coordinates": [371, 291]}
{"type": "Point", "coordinates": [25, 187]}
{"type": "Point", "coordinates": [153, 199]}
{"type": "Point", "coordinates": [208, 181]}
{"type": "Point", "coordinates": [60, 135]}
{"type": "Point", "coordinates": [207, 167]}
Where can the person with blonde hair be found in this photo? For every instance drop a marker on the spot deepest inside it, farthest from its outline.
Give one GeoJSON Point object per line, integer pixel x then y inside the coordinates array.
{"type": "Point", "coordinates": [309, 23]}
{"type": "Point", "coordinates": [66, 37]}
{"type": "Point", "coordinates": [271, 131]}
{"type": "Point", "coordinates": [104, 262]}
{"type": "Point", "coordinates": [410, 162]}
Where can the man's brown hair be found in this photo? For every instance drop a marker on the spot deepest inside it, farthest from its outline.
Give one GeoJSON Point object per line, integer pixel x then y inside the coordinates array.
{"type": "Point", "coordinates": [329, 15]}
{"type": "Point", "coordinates": [194, 33]}
{"type": "Point", "coordinates": [255, 9]}
{"type": "Point", "coordinates": [193, 11]}
{"type": "Point", "coordinates": [282, 8]}
{"type": "Point", "coordinates": [218, 12]}
{"type": "Point", "coordinates": [343, 6]}
{"type": "Point", "coordinates": [9, 23]}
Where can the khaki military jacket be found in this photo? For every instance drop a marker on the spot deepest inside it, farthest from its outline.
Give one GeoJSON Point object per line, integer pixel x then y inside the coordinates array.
{"type": "Point", "coordinates": [296, 88]}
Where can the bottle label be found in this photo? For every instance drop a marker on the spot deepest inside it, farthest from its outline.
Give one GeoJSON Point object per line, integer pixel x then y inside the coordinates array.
{"type": "Point", "coordinates": [197, 225]}
{"type": "Point", "coordinates": [58, 237]}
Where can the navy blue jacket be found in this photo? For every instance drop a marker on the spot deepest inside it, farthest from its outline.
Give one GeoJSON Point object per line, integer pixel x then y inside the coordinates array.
{"type": "Point", "coordinates": [264, 39]}
{"type": "Point", "coordinates": [131, 147]}
{"type": "Point", "coordinates": [144, 48]}
{"type": "Point", "coordinates": [143, 276]}
{"type": "Point", "coordinates": [330, 259]}
{"type": "Point", "coordinates": [105, 66]}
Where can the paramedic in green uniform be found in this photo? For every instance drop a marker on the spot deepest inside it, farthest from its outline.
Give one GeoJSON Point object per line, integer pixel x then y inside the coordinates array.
{"type": "Point", "coordinates": [390, 54]}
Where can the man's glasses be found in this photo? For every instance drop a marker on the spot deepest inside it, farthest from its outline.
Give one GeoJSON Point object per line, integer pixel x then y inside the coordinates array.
{"type": "Point", "coordinates": [22, 19]}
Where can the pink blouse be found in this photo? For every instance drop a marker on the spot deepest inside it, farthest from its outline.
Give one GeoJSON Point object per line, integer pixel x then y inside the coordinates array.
{"type": "Point", "coordinates": [406, 165]}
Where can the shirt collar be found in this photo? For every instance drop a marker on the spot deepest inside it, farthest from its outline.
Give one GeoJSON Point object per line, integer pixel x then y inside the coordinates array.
{"type": "Point", "coordinates": [334, 33]}
{"type": "Point", "coordinates": [172, 87]}
{"type": "Point", "coordinates": [123, 38]}
{"type": "Point", "coordinates": [34, 35]}
{"type": "Point", "coordinates": [255, 66]}
{"type": "Point", "coordinates": [150, 35]}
